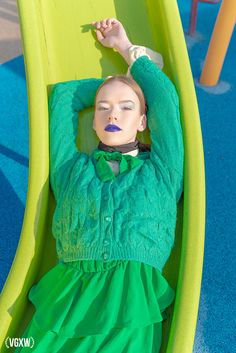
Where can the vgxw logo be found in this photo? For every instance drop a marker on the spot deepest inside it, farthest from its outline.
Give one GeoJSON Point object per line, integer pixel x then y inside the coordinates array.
{"type": "Point", "coordinates": [19, 342]}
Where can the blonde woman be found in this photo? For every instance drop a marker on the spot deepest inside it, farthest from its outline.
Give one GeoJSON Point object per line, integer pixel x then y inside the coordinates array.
{"type": "Point", "coordinates": [115, 215]}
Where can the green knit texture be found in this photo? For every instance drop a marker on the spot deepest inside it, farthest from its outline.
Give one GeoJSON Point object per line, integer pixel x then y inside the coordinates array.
{"type": "Point", "coordinates": [131, 216]}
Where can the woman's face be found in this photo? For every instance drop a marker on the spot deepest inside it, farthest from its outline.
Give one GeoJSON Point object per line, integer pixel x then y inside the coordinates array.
{"type": "Point", "coordinates": [117, 115]}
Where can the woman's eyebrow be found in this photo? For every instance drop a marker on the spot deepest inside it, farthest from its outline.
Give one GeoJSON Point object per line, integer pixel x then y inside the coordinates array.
{"type": "Point", "coordinates": [103, 102]}
{"type": "Point", "coordinates": [123, 101]}
{"type": "Point", "coordinates": [126, 101]}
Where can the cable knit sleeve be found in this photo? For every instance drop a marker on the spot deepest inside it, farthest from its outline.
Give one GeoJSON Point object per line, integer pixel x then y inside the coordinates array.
{"type": "Point", "coordinates": [167, 151]}
{"type": "Point", "coordinates": [65, 101]}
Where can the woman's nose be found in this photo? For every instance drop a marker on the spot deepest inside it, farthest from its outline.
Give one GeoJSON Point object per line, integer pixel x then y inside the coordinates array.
{"type": "Point", "coordinates": [110, 118]}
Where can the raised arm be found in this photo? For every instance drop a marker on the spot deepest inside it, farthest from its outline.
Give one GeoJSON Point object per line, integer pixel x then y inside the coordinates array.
{"type": "Point", "coordinates": [65, 101]}
{"type": "Point", "coordinates": [167, 150]}
{"type": "Point", "coordinates": [163, 118]}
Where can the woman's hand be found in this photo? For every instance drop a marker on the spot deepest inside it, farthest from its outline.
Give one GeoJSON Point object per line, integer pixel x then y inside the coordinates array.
{"type": "Point", "coordinates": [111, 33]}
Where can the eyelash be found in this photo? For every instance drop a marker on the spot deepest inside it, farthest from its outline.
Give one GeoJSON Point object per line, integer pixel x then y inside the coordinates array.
{"type": "Point", "coordinates": [102, 108]}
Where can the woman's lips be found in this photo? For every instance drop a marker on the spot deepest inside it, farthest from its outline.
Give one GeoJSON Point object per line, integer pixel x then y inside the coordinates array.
{"type": "Point", "coordinates": [112, 128]}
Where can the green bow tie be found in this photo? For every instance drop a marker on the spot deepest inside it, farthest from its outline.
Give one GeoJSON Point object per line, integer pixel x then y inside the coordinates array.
{"type": "Point", "coordinates": [127, 162]}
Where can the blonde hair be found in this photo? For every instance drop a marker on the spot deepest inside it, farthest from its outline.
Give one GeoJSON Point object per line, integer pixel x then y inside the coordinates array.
{"type": "Point", "coordinates": [132, 84]}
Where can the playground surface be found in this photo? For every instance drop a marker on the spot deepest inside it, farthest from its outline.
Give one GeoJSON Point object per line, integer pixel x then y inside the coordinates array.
{"type": "Point", "coordinates": [215, 332]}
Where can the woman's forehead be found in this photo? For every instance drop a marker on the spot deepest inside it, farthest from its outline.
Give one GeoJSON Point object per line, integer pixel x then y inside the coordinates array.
{"type": "Point", "coordinates": [118, 91]}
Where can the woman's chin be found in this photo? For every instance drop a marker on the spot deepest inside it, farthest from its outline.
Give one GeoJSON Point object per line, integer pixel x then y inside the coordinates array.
{"type": "Point", "coordinates": [113, 141]}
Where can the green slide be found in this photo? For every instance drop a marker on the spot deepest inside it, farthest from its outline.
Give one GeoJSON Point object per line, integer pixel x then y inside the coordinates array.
{"type": "Point", "coordinates": [60, 45]}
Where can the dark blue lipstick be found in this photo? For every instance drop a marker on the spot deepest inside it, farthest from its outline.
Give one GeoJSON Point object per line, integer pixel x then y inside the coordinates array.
{"type": "Point", "coordinates": [112, 128]}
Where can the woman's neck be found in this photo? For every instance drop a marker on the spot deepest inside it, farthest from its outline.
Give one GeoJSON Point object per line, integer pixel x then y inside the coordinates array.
{"type": "Point", "coordinates": [133, 153]}
{"type": "Point", "coordinates": [131, 148]}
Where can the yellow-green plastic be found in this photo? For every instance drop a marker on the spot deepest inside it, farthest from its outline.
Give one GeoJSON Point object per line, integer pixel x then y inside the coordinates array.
{"type": "Point", "coordinates": [59, 44]}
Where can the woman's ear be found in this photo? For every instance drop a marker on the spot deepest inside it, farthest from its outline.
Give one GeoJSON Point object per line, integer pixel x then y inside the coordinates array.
{"type": "Point", "coordinates": [143, 123]}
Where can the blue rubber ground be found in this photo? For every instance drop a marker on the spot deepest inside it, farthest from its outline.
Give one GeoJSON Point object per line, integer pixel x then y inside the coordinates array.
{"type": "Point", "coordinates": [216, 321]}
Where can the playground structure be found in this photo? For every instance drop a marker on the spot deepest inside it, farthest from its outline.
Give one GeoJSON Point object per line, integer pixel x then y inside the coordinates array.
{"type": "Point", "coordinates": [219, 43]}
{"type": "Point", "coordinates": [220, 38]}
{"type": "Point", "coordinates": [193, 14]}
{"type": "Point", "coordinates": [59, 46]}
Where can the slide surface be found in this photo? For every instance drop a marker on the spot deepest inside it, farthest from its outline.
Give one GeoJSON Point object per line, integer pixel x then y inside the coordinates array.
{"type": "Point", "coordinates": [59, 45]}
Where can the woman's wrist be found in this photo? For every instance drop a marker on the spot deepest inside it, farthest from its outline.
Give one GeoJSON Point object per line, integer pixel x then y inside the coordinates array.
{"type": "Point", "coordinates": [123, 50]}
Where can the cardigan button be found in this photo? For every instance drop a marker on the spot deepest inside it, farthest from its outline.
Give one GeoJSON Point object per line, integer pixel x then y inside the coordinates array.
{"type": "Point", "coordinates": [66, 246]}
{"type": "Point", "coordinates": [105, 242]}
{"type": "Point", "coordinates": [105, 256]}
{"type": "Point", "coordinates": [108, 218]}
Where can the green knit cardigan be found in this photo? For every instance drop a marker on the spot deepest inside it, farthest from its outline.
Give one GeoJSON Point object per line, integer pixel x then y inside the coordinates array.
{"type": "Point", "coordinates": [132, 216]}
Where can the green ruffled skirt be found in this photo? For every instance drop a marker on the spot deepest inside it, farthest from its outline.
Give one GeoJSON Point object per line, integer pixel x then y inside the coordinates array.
{"type": "Point", "coordinates": [96, 306]}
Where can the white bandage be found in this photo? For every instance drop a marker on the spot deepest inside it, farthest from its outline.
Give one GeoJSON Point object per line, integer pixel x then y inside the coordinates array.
{"type": "Point", "coordinates": [135, 51]}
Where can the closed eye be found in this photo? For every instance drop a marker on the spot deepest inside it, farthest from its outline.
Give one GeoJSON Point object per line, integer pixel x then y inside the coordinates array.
{"type": "Point", "coordinates": [102, 108]}
{"type": "Point", "coordinates": [127, 108]}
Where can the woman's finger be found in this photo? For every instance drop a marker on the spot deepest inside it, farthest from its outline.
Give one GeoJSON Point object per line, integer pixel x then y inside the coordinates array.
{"type": "Point", "coordinates": [95, 23]}
{"type": "Point", "coordinates": [106, 21]}
{"type": "Point", "coordinates": [114, 20]}
{"type": "Point", "coordinates": [98, 24]}
{"type": "Point", "coordinates": [99, 35]}
{"type": "Point", "coordinates": [103, 23]}
{"type": "Point", "coordinates": [109, 22]}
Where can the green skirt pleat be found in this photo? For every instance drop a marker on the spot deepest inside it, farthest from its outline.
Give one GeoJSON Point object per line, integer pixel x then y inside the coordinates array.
{"type": "Point", "coordinates": [96, 306]}
{"type": "Point", "coordinates": [127, 340]}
